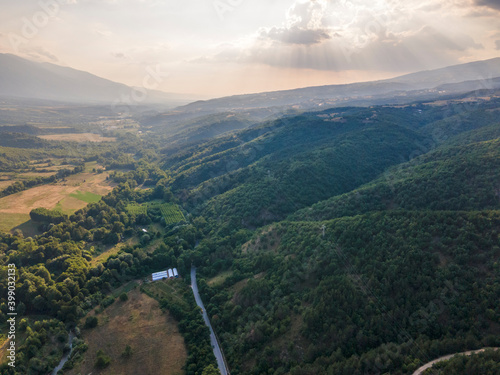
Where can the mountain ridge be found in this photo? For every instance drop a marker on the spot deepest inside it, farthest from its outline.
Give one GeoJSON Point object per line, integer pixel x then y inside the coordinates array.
{"type": "Point", "coordinates": [24, 78]}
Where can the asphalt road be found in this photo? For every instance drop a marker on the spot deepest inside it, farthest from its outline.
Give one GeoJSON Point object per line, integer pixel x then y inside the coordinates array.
{"type": "Point", "coordinates": [213, 340]}
{"type": "Point", "coordinates": [445, 358]}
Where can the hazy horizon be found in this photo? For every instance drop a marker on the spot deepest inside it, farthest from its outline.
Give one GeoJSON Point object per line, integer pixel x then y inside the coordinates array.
{"type": "Point", "coordinates": [228, 47]}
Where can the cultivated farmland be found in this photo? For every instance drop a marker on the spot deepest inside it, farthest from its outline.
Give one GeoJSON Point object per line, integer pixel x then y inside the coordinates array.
{"type": "Point", "coordinates": [66, 196]}
{"type": "Point", "coordinates": [170, 212]}
{"type": "Point", "coordinates": [137, 209]}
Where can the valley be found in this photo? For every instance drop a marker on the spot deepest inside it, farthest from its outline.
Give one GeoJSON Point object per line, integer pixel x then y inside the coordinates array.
{"type": "Point", "coordinates": [359, 237]}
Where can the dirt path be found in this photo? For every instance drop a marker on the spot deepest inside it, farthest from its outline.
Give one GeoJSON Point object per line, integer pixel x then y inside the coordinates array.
{"type": "Point", "coordinates": [446, 357]}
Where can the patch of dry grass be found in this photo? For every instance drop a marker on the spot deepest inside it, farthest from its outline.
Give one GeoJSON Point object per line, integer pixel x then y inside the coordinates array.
{"type": "Point", "coordinates": [157, 346]}
{"type": "Point", "coordinates": [220, 278]}
{"type": "Point", "coordinates": [77, 137]}
{"type": "Point", "coordinates": [101, 258]}
{"type": "Point", "coordinates": [50, 196]}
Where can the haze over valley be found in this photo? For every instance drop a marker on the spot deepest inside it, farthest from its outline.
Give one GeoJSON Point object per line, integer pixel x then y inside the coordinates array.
{"type": "Point", "coordinates": [247, 188]}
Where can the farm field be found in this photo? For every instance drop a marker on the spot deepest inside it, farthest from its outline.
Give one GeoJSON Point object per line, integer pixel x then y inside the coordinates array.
{"type": "Point", "coordinates": [77, 137]}
{"type": "Point", "coordinates": [137, 209]}
{"type": "Point", "coordinates": [41, 170]}
{"type": "Point", "coordinates": [159, 348]}
{"type": "Point", "coordinates": [170, 212]}
{"type": "Point", "coordinates": [67, 196]}
{"type": "Point", "coordinates": [5, 183]}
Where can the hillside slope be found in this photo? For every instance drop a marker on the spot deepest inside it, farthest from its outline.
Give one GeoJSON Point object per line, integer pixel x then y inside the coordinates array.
{"type": "Point", "coordinates": [379, 280]}
{"type": "Point", "coordinates": [28, 79]}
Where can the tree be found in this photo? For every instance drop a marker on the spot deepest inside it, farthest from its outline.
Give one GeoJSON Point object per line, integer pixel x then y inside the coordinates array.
{"type": "Point", "coordinates": [127, 353]}
{"type": "Point", "coordinates": [102, 360]}
{"type": "Point", "coordinates": [91, 322]}
{"type": "Point", "coordinates": [210, 370]}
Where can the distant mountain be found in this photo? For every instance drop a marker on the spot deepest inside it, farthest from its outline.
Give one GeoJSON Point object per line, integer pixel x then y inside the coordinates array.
{"type": "Point", "coordinates": [482, 71]}
{"type": "Point", "coordinates": [406, 88]}
{"type": "Point", "coordinates": [28, 79]}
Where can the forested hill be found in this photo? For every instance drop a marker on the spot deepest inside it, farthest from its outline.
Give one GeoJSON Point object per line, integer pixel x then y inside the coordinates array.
{"type": "Point", "coordinates": [378, 280]}
{"type": "Point", "coordinates": [263, 174]}
{"type": "Point", "coordinates": [379, 293]}
{"type": "Point", "coordinates": [355, 240]}
{"type": "Point", "coordinates": [455, 177]}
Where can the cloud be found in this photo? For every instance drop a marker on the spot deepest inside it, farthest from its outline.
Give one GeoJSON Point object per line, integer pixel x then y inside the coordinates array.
{"type": "Point", "coordinates": [296, 35]}
{"type": "Point", "coordinates": [118, 55]}
{"type": "Point", "coordinates": [354, 35]}
{"type": "Point", "coordinates": [497, 45]}
{"type": "Point", "coordinates": [384, 51]}
{"type": "Point", "coordinates": [304, 25]}
{"type": "Point", "coordinates": [41, 54]}
{"type": "Point", "coordinates": [101, 30]}
{"type": "Point", "coordinates": [495, 4]}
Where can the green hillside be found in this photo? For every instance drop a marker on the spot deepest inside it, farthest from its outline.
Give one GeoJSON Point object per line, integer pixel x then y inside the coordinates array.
{"type": "Point", "coordinates": [462, 177]}
{"type": "Point", "coordinates": [379, 293]}
{"type": "Point", "coordinates": [357, 240]}
{"type": "Point", "coordinates": [262, 175]}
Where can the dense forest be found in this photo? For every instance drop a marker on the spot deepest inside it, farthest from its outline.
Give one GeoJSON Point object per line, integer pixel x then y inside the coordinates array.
{"type": "Point", "coordinates": [356, 240]}
{"type": "Point", "coordinates": [487, 363]}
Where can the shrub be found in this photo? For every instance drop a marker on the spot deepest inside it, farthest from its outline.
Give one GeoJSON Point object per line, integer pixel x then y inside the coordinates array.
{"type": "Point", "coordinates": [102, 360]}
{"type": "Point", "coordinates": [91, 322]}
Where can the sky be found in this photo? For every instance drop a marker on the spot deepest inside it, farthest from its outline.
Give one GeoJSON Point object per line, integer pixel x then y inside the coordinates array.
{"type": "Point", "coordinates": [223, 47]}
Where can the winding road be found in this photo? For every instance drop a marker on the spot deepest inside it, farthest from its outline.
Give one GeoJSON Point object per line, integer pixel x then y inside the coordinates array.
{"type": "Point", "coordinates": [213, 340]}
{"type": "Point", "coordinates": [65, 358]}
{"type": "Point", "coordinates": [445, 358]}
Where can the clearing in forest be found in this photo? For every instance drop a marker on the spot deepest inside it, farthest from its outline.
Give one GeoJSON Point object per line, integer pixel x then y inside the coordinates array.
{"type": "Point", "coordinates": [68, 196]}
{"type": "Point", "coordinates": [171, 212]}
{"type": "Point", "coordinates": [157, 347]}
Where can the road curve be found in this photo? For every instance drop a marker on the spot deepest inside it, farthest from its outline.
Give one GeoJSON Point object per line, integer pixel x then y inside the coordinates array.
{"type": "Point", "coordinates": [213, 340]}
{"type": "Point", "coordinates": [420, 370]}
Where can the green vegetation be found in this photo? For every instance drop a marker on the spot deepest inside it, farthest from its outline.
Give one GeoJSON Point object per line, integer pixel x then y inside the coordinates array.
{"type": "Point", "coordinates": [178, 299]}
{"type": "Point", "coordinates": [485, 363]}
{"type": "Point", "coordinates": [170, 212]}
{"type": "Point", "coordinates": [102, 360]}
{"type": "Point", "coordinates": [47, 216]}
{"type": "Point", "coordinates": [127, 353]}
{"type": "Point", "coordinates": [347, 241]}
{"type": "Point", "coordinates": [23, 185]}
{"type": "Point", "coordinates": [350, 293]}
{"type": "Point", "coordinates": [91, 322]}
{"type": "Point", "coordinates": [86, 196]}
{"type": "Point", "coordinates": [137, 209]}
{"type": "Point", "coordinates": [40, 342]}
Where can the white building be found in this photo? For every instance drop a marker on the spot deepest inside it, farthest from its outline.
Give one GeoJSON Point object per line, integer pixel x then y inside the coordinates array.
{"type": "Point", "coordinates": [170, 273]}
{"type": "Point", "coordinates": [176, 274]}
{"type": "Point", "coordinates": [160, 275]}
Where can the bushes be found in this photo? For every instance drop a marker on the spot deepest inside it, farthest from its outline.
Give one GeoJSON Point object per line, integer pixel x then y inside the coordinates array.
{"type": "Point", "coordinates": [91, 322]}
{"type": "Point", "coordinates": [102, 360]}
{"type": "Point", "coordinates": [108, 301]}
{"type": "Point", "coordinates": [127, 353]}
{"type": "Point", "coordinates": [47, 216]}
